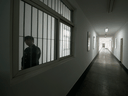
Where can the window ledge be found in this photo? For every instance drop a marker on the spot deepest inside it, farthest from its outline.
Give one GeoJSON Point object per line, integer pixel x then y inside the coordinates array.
{"type": "Point", "coordinates": [31, 72]}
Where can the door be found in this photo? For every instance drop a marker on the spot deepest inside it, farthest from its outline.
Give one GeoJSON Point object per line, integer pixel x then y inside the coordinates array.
{"type": "Point", "coordinates": [121, 50]}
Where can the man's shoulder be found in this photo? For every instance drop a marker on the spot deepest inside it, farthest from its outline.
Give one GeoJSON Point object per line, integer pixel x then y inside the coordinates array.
{"type": "Point", "coordinates": [26, 49]}
{"type": "Point", "coordinates": [36, 47]}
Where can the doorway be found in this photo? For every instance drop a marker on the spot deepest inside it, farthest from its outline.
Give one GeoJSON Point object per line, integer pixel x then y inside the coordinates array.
{"type": "Point", "coordinates": [121, 50]}
{"type": "Point", "coordinates": [103, 45]}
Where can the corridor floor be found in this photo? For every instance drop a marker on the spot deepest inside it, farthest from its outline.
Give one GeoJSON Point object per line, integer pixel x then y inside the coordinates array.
{"type": "Point", "coordinates": [105, 78]}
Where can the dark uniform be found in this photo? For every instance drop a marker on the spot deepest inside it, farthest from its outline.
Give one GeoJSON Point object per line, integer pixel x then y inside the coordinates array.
{"type": "Point", "coordinates": [31, 57]}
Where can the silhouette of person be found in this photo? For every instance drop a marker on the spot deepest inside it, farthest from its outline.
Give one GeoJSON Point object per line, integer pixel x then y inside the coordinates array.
{"type": "Point", "coordinates": [31, 54]}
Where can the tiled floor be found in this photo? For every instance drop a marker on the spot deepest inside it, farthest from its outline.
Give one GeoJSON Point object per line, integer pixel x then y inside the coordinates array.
{"type": "Point", "coordinates": [105, 78]}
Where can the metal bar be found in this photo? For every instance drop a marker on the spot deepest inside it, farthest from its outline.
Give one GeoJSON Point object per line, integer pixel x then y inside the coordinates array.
{"type": "Point", "coordinates": [71, 41]}
{"type": "Point", "coordinates": [42, 33]}
{"type": "Point", "coordinates": [57, 38]}
{"type": "Point", "coordinates": [37, 25]}
{"type": "Point", "coordinates": [62, 40]}
{"type": "Point", "coordinates": [31, 18]}
{"type": "Point", "coordinates": [47, 41]}
{"type": "Point", "coordinates": [51, 39]}
{"type": "Point", "coordinates": [23, 29]}
{"type": "Point", "coordinates": [66, 40]}
{"type": "Point", "coordinates": [31, 35]}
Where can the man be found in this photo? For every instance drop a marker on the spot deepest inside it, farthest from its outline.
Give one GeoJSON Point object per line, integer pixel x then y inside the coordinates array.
{"type": "Point", "coordinates": [31, 54]}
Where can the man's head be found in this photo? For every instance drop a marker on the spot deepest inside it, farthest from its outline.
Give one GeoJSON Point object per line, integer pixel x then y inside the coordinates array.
{"type": "Point", "coordinates": [29, 40]}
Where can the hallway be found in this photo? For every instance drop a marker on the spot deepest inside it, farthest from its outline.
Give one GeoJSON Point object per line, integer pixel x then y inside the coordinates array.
{"type": "Point", "coordinates": [105, 78]}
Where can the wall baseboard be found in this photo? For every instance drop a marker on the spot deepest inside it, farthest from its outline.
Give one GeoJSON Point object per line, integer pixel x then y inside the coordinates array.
{"type": "Point", "coordinates": [77, 85]}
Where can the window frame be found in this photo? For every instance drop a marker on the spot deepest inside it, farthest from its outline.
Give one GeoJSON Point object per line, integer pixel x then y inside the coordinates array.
{"type": "Point", "coordinates": [21, 75]}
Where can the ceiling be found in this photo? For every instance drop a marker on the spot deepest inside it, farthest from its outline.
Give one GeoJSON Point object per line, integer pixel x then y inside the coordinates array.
{"type": "Point", "coordinates": [97, 13]}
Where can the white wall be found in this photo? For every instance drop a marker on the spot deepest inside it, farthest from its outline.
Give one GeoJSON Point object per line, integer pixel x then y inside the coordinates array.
{"type": "Point", "coordinates": [54, 82]}
{"type": "Point", "coordinates": [123, 33]}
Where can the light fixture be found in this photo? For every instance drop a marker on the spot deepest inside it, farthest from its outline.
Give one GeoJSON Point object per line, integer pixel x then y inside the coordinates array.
{"type": "Point", "coordinates": [106, 30]}
{"type": "Point", "coordinates": [111, 5]}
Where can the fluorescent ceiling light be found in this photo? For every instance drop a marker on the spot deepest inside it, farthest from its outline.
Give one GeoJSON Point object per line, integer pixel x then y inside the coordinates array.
{"type": "Point", "coordinates": [111, 5]}
{"type": "Point", "coordinates": [106, 30]}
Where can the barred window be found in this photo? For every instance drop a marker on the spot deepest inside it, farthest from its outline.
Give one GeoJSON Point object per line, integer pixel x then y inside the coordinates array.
{"type": "Point", "coordinates": [41, 34]}
{"type": "Point", "coordinates": [59, 7]}
{"type": "Point", "coordinates": [39, 25]}
{"type": "Point", "coordinates": [65, 40]}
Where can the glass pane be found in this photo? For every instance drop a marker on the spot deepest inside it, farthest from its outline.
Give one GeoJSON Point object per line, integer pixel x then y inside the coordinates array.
{"type": "Point", "coordinates": [56, 5]}
{"type": "Point", "coordinates": [69, 33]}
{"type": "Point", "coordinates": [64, 40]}
{"type": "Point", "coordinates": [49, 3]}
{"type": "Point", "coordinates": [40, 25]}
{"type": "Point", "coordinates": [53, 4]}
{"type": "Point", "coordinates": [59, 6]}
{"type": "Point", "coordinates": [69, 15]}
{"type": "Point", "coordinates": [41, 0]}
{"type": "Point", "coordinates": [48, 51]}
{"type": "Point", "coordinates": [61, 31]}
{"type": "Point", "coordinates": [34, 22]}
{"type": "Point", "coordinates": [49, 27]}
{"type": "Point", "coordinates": [65, 47]}
{"type": "Point", "coordinates": [52, 50]}
{"type": "Point", "coordinates": [25, 46]}
{"type": "Point", "coordinates": [21, 18]}
{"type": "Point", "coordinates": [35, 41]}
{"type": "Point", "coordinates": [53, 27]}
{"type": "Point", "coordinates": [61, 48]}
{"type": "Point", "coordinates": [63, 10]}
{"type": "Point", "coordinates": [68, 52]}
{"type": "Point", "coordinates": [69, 46]}
{"type": "Point", "coordinates": [44, 50]}
{"type": "Point", "coordinates": [40, 46]}
{"type": "Point", "coordinates": [66, 12]}
{"type": "Point", "coordinates": [69, 49]}
{"type": "Point", "coordinates": [20, 51]}
{"type": "Point", "coordinates": [27, 19]}
{"type": "Point", "coordinates": [45, 26]}
{"type": "Point", "coordinates": [45, 2]}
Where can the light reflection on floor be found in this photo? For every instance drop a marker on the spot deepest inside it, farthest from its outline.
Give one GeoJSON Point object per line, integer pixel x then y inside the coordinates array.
{"type": "Point", "coordinates": [105, 78]}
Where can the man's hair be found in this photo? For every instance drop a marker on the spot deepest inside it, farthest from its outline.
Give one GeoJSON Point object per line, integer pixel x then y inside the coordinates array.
{"type": "Point", "coordinates": [28, 38]}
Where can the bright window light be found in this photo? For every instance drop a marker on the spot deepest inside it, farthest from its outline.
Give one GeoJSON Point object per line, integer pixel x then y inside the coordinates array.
{"type": "Point", "coordinates": [106, 30]}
